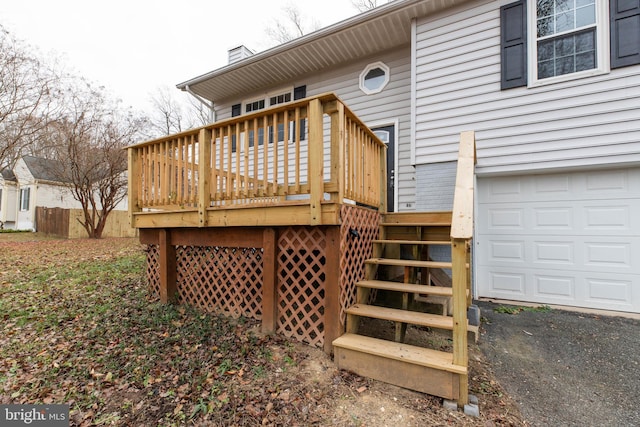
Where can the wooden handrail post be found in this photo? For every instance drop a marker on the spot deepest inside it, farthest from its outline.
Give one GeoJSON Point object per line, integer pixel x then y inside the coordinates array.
{"type": "Point", "coordinates": [204, 173]}
{"type": "Point", "coordinates": [133, 177]}
{"type": "Point", "coordinates": [316, 166]}
{"type": "Point", "coordinates": [337, 151]}
{"type": "Point", "coordinates": [459, 285]}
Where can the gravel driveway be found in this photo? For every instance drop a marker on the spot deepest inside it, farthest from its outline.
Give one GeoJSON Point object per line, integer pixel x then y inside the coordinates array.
{"type": "Point", "coordinates": [565, 368]}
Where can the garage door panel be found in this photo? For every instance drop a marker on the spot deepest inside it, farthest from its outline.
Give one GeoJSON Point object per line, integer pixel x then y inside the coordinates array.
{"type": "Point", "coordinates": [605, 291]}
{"type": "Point", "coordinates": [554, 252]}
{"type": "Point", "coordinates": [609, 217]}
{"type": "Point", "coordinates": [571, 239]}
{"type": "Point", "coordinates": [609, 290]}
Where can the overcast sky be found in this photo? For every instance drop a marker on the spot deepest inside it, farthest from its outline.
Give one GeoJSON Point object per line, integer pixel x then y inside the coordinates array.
{"type": "Point", "coordinates": [134, 46]}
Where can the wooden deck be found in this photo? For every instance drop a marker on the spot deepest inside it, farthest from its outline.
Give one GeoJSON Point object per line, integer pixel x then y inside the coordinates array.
{"type": "Point", "coordinates": [280, 216]}
{"type": "Point", "coordinates": [291, 164]}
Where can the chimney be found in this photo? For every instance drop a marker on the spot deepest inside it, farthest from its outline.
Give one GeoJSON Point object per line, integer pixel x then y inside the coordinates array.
{"type": "Point", "coordinates": [238, 53]}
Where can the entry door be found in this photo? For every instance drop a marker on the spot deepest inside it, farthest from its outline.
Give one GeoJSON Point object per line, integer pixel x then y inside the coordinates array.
{"type": "Point", "coordinates": [387, 135]}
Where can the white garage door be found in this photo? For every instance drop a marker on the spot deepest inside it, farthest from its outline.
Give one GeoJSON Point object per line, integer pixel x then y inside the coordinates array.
{"type": "Point", "coordinates": [570, 239]}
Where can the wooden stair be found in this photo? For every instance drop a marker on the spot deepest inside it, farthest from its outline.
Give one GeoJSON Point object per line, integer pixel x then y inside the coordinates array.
{"type": "Point", "coordinates": [401, 265]}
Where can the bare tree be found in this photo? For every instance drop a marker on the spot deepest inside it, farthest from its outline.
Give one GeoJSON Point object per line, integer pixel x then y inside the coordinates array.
{"type": "Point", "coordinates": [292, 27]}
{"type": "Point", "coordinates": [168, 115]}
{"type": "Point", "coordinates": [364, 5]}
{"type": "Point", "coordinates": [89, 142]}
{"type": "Point", "coordinates": [28, 90]}
{"type": "Point", "coordinates": [173, 111]}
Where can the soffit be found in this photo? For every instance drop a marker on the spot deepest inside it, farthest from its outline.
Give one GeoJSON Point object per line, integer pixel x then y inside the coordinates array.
{"type": "Point", "coordinates": [374, 31]}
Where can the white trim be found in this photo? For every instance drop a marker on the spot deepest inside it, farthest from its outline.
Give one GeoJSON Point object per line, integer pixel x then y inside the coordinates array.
{"type": "Point", "coordinates": [372, 66]}
{"type": "Point", "coordinates": [602, 47]}
{"type": "Point", "coordinates": [414, 89]}
{"type": "Point", "coordinates": [396, 124]}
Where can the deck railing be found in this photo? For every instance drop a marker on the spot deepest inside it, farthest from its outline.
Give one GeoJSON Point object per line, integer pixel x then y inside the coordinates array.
{"type": "Point", "coordinates": [313, 150]}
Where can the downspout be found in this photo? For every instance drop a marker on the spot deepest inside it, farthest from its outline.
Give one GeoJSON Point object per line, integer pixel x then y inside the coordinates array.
{"type": "Point", "coordinates": [207, 103]}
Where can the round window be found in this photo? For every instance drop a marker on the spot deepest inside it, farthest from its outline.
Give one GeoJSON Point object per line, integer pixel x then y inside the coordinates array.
{"type": "Point", "coordinates": [374, 78]}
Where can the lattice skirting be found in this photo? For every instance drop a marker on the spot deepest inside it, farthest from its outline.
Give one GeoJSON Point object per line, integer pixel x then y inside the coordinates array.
{"type": "Point", "coordinates": [301, 283]}
{"type": "Point", "coordinates": [214, 279]}
{"type": "Point", "coordinates": [354, 250]}
{"type": "Point", "coordinates": [222, 280]}
{"type": "Point", "coordinates": [153, 272]}
{"type": "Point", "coordinates": [230, 280]}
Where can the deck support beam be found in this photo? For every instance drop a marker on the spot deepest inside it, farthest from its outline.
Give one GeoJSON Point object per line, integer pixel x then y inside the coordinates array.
{"type": "Point", "coordinates": [332, 327]}
{"type": "Point", "coordinates": [167, 264]}
{"type": "Point", "coordinates": [270, 280]}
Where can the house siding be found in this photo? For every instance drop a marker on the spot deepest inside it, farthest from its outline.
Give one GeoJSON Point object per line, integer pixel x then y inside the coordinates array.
{"type": "Point", "coordinates": [577, 123]}
{"type": "Point", "coordinates": [436, 182]}
{"type": "Point", "coordinates": [391, 105]}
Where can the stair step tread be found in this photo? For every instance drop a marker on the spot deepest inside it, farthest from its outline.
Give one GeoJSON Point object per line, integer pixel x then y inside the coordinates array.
{"type": "Point", "coordinates": [406, 287]}
{"type": "Point", "coordinates": [400, 351]}
{"type": "Point", "coordinates": [409, 263]}
{"type": "Point", "coordinates": [404, 316]}
{"type": "Point", "coordinates": [415, 242]}
{"type": "Point", "coordinates": [415, 224]}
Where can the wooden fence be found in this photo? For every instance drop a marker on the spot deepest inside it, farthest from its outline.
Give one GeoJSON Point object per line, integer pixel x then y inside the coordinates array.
{"type": "Point", "coordinates": [65, 223]}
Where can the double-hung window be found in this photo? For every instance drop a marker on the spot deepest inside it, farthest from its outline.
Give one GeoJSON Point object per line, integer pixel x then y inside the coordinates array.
{"type": "Point", "coordinates": [546, 41]}
{"type": "Point", "coordinates": [24, 198]}
{"type": "Point", "coordinates": [567, 37]}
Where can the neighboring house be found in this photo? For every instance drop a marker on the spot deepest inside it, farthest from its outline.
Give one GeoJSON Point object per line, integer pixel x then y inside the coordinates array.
{"type": "Point", "coordinates": [38, 185]}
{"type": "Point", "coordinates": [8, 191]}
{"type": "Point", "coordinates": [552, 91]}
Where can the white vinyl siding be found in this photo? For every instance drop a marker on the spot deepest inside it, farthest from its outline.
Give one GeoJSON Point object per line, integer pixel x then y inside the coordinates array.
{"type": "Point", "coordinates": [577, 123]}
{"type": "Point", "coordinates": [390, 105]}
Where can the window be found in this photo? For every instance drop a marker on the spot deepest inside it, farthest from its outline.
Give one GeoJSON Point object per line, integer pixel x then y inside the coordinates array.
{"type": "Point", "coordinates": [566, 37]}
{"type": "Point", "coordinates": [555, 40]}
{"type": "Point", "coordinates": [273, 99]}
{"type": "Point", "coordinates": [254, 106]}
{"type": "Point", "coordinates": [374, 78]}
{"type": "Point", "coordinates": [24, 199]}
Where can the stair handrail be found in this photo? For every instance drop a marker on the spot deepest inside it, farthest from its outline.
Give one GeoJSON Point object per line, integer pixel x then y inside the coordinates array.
{"type": "Point", "coordinates": [461, 234]}
{"type": "Point", "coordinates": [462, 215]}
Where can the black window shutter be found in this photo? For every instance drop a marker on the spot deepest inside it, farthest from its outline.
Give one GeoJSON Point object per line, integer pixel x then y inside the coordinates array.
{"type": "Point", "coordinates": [625, 32]}
{"type": "Point", "coordinates": [236, 110]}
{"type": "Point", "coordinates": [300, 92]}
{"type": "Point", "coordinates": [513, 45]}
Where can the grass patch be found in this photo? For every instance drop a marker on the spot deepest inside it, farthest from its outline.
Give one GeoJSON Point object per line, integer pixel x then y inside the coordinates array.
{"type": "Point", "coordinates": [516, 309]}
{"type": "Point", "coordinates": [78, 328]}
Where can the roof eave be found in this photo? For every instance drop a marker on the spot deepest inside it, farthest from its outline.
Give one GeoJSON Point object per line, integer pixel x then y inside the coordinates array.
{"type": "Point", "coordinates": [306, 39]}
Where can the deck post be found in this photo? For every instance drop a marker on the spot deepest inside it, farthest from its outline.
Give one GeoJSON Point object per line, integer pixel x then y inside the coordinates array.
{"type": "Point", "coordinates": [337, 151]}
{"type": "Point", "coordinates": [204, 173]}
{"type": "Point", "coordinates": [332, 327]}
{"type": "Point", "coordinates": [459, 284]}
{"type": "Point", "coordinates": [167, 265]}
{"type": "Point", "coordinates": [316, 166]}
{"type": "Point", "coordinates": [132, 184]}
{"type": "Point", "coordinates": [269, 280]}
